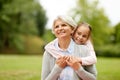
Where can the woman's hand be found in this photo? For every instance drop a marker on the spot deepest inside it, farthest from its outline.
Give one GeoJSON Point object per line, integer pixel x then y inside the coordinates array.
{"type": "Point", "coordinates": [61, 61]}
{"type": "Point", "coordinates": [74, 63]}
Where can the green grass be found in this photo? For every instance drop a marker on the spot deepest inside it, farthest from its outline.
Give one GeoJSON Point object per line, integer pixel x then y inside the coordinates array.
{"type": "Point", "coordinates": [108, 68]}
{"type": "Point", "coordinates": [20, 67]}
{"type": "Point", "coordinates": [13, 67]}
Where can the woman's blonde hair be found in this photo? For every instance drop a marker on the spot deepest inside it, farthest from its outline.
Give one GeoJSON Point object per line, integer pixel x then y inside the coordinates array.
{"type": "Point", "coordinates": [67, 19]}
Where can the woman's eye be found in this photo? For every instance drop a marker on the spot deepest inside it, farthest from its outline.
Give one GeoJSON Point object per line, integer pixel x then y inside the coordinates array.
{"type": "Point", "coordinates": [56, 26]}
{"type": "Point", "coordinates": [64, 25]}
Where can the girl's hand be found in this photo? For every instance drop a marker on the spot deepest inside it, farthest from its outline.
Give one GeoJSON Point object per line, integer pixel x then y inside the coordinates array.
{"type": "Point", "coordinates": [74, 63]}
{"type": "Point", "coordinates": [78, 59]}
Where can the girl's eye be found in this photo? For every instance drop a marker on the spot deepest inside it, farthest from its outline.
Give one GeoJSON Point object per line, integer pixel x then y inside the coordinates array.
{"type": "Point", "coordinates": [84, 36]}
{"type": "Point", "coordinates": [78, 33]}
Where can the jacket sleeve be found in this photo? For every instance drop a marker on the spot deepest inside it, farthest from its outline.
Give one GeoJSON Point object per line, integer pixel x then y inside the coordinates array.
{"type": "Point", "coordinates": [87, 73]}
{"type": "Point", "coordinates": [52, 50]}
{"type": "Point", "coordinates": [49, 73]}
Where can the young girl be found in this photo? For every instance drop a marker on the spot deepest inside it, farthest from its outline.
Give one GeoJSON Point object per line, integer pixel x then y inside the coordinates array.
{"type": "Point", "coordinates": [81, 36]}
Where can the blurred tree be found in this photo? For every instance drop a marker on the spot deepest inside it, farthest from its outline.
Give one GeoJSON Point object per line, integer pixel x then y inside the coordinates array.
{"type": "Point", "coordinates": [117, 33]}
{"type": "Point", "coordinates": [41, 20]}
{"type": "Point", "coordinates": [48, 36]}
{"type": "Point", "coordinates": [90, 12]}
{"type": "Point", "coordinates": [20, 17]}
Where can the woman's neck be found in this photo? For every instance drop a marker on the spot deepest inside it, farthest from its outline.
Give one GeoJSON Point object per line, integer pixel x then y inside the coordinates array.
{"type": "Point", "coordinates": [64, 43]}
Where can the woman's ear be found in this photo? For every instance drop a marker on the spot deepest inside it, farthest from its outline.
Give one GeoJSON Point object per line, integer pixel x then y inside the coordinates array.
{"type": "Point", "coordinates": [53, 31]}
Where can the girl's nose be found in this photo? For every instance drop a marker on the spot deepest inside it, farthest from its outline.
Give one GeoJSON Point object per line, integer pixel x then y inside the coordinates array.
{"type": "Point", "coordinates": [80, 36]}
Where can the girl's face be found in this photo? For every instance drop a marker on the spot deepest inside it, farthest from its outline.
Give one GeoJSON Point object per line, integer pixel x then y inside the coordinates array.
{"type": "Point", "coordinates": [81, 35]}
{"type": "Point", "coordinates": [62, 29]}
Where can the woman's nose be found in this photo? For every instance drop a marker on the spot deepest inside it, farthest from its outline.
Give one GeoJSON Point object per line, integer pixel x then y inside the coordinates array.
{"type": "Point", "coordinates": [60, 27]}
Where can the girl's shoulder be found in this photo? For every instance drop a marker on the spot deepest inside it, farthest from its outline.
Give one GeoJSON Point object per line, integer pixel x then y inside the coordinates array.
{"type": "Point", "coordinates": [50, 44]}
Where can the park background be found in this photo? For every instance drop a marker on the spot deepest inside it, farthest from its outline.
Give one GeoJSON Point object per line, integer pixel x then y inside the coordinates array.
{"type": "Point", "coordinates": [24, 33]}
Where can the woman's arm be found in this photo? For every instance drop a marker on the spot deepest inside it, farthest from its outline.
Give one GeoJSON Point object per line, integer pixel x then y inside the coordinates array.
{"type": "Point", "coordinates": [85, 75]}
{"type": "Point", "coordinates": [88, 73]}
{"type": "Point", "coordinates": [48, 72]}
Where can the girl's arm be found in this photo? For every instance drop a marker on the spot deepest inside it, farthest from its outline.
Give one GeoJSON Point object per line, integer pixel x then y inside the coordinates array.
{"type": "Point", "coordinates": [50, 47]}
{"type": "Point", "coordinates": [91, 58]}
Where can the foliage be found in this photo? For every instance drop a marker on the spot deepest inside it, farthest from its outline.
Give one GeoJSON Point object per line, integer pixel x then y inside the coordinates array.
{"type": "Point", "coordinates": [33, 45]}
{"type": "Point", "coordinates": [27, 44]}
{"type": "Point", "coordinates": [41, 20]}
{"type": "Point", "coordinates": [48, 36]}
{"type": "Point", "coordinates": [111, 50]}
{"type": "Point", "coordinates": [20, 17]}
{"type": "Point", "coordinates": [117, 33]}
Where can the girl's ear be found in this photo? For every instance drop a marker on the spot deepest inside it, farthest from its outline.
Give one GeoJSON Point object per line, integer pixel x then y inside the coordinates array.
{"type": "Point", "coordinates": [72, 33]}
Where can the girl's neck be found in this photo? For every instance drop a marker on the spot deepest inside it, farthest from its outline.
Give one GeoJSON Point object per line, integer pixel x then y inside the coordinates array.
{"type": "Point", "coordinates": [64, 43]}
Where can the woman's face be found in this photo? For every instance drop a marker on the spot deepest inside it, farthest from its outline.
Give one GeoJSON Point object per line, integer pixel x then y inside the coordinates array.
{"type": "Point", "coordinates": [81, 35]}
{"type": "Point", "coordinates": [62, 29]}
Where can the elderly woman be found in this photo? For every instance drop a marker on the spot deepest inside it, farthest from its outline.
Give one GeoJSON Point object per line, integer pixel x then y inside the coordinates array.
{"type": "Point", "coordinates": [66, 67]}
